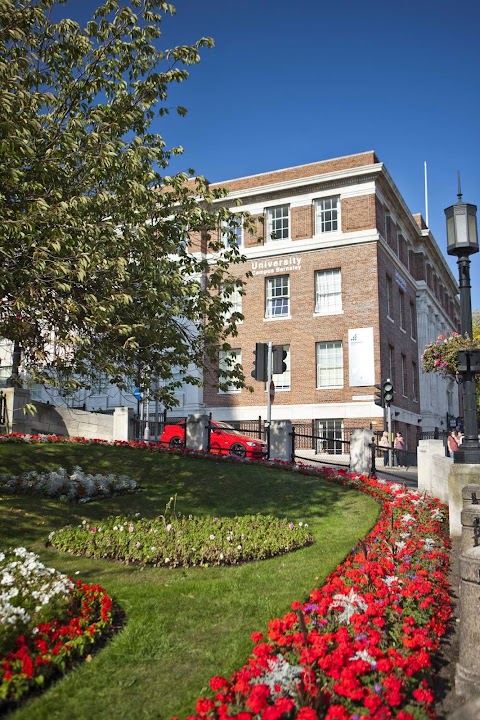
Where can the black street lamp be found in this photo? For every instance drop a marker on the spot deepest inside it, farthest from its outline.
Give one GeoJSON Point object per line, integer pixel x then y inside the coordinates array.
{"type": "Point", "coordinates": [462, 241]}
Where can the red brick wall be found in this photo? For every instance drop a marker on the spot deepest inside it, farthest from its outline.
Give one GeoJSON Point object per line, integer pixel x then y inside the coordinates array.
{"type": "Point", "coordinates": [301, 171]}
{"type": "Point", "coordinates": [358, 265]}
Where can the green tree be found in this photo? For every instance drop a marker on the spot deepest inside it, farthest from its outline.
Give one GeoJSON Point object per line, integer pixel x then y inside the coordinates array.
{"type": "Point", "coordinates": [93, 229]}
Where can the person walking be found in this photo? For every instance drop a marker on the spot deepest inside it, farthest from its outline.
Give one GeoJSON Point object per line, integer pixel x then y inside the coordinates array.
{"type": "Point", "coordinates": [452, 443]}
{"type": "Point", "coordinates": [384, 444]}
{"type": "Point", "coordinates": [399, 447]}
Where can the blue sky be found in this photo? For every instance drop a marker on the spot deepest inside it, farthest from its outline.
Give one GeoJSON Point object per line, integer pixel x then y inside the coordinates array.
{"type": "Point", "coordinates": [290, 83]}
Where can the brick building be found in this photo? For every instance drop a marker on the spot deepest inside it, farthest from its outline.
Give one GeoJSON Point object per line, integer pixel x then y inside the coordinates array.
{"type": "Point", "coordinates": [352, 285]}
{"type": "Point", "coordinates": [349, 282]}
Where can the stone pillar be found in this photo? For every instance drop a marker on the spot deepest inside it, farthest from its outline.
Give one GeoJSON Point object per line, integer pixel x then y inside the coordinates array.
{"type": "Point", "coordinates": [196, 433]}
{"type": "Point", "coordinates": [459, 476]}
{"type": "Point", "coordinates": [121, 423]}
{"type": "Point", "coordinates": [468, 493]}
{"type": "Point", "coordinates": [470, 527]}
{"type": "Point", "coordinates": [16, 419]}
{"type": "Point", "coordinates": [467, 676]}
{"type": "Point", "coordinates": [425, 452]}
{"type": "Point", "coordinates": [281, 440]}
{"type": "Point", "coordinates": [361, 451]}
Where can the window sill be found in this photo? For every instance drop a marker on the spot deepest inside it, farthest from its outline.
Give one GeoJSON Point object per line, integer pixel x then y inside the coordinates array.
{"type": "Point", "coordinates": [280, 317]}
{"type": "Point", "coordinates": [326, 313]}
{"type": "Point", "coordinates": [331, 387]}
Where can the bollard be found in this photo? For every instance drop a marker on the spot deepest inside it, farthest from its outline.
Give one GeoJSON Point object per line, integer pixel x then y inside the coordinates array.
{"type": "Point", "coordinates": [467, 676]}
{"type": "Point", "coordinates": [471, 494]}
{"type": "Point", "coordinates": [470, 518]}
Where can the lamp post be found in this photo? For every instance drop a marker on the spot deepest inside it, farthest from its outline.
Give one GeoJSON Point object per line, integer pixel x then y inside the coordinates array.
{"type": "Point", "coordinates": [462, 241]}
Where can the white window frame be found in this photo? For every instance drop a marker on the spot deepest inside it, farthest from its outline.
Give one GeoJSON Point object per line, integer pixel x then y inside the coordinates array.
{"type": "Point", "coordinates": [223, 355]}
{"type": "Point", "coordinates": [282, 298]}
{"type": "Point", "coordinates": [228, 229]}
{"type": "Point", "coordinates": [235, 298]}
{"type": "Point", "coordinates": [327, 215]}
{"type": "Point", "coordinates": [330, 434]}
{"type": "Point", "coordinates": [329, 364]}
{"type": "Point", "coordinates": [278, 223]}
{"type": "Point", "coordinates": [328, 292]}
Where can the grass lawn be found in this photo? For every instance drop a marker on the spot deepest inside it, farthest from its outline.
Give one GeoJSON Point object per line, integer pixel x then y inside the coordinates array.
{"type": "Point", "coordinates": [182, 625]}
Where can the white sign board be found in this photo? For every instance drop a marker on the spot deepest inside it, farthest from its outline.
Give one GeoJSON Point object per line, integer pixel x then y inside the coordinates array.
{"type": "Point", "coordinates": [361, 362]}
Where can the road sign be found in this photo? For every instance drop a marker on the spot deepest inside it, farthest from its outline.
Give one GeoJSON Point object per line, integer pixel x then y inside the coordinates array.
{"type": "Point", "coordinates": [137, 393]}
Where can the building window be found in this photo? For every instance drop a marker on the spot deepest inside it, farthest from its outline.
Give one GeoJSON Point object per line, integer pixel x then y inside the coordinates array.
{"type": "Point", "coordinates": [402, 310]}
{"type": "Point", "coordinates": [235, 300]}
{"type": "Point", "coordinates": [391, 363]}
{"type": "Point", "coordinates": [389, 298]}
{"type": "Point", "coordinates": [282, 380]}
{"type": "Point", "coordinates": [404, 377]}
{"type": "Point", "coordinates": [277, 297]}
{"type": "Point", "coordinates": [413, 322]}
{"type": "Point", "coordinates": [329, 436]}
{"type": "Point", "coordinates": [278, 222]}
{"type": "Point", "coordinates": [229, 360]}
{"type": "Point", "coordinates": [329, 364]}
{"type": "Point", "coordinates": [326, 215]}
{"type": "Point", "coordinates": [386, 230]}
{"type": "Point", "coordinates": [328, 292]}
{"type": "Point", "coordinates": [414, 381]}
{"type": "Point", "coordinates": [232, 234]}
{"type": "Point", "coordinates": [99, 385]}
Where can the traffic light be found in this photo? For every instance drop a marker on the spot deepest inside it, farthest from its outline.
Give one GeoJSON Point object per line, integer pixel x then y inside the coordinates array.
{"type": "Point", "coordinates": [387, 392]}
{"type": "Point", "coordinates": [259, 371]}
{"type": "Point", "coordinates": [379, 396]}
{"type": "Point", "coordinates": [279, 358]}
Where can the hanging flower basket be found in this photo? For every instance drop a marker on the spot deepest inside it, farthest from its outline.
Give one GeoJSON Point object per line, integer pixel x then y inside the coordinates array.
{"type": "Point", "coordinates": [441, 355]}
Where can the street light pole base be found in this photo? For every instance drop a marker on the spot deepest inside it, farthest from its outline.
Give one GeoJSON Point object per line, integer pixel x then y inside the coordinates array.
{"type": "Point", "coordinates": [466, 455]}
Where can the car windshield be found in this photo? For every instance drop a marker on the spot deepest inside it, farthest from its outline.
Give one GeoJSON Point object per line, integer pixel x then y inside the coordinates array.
{"type": "Point", "coordinates": [226, 426]}
{"type": "Point", "coordinates": [232, 431]}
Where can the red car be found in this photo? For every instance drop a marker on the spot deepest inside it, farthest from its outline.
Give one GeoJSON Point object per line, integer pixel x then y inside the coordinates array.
{"type": "Point", "coordinates": [223, 439]}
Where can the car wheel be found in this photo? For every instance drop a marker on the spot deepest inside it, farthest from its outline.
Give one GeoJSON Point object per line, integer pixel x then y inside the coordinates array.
{"type": "Point", "coordinates": [176, 442]}
{"type": "Point", "coordinates": [238, 450]}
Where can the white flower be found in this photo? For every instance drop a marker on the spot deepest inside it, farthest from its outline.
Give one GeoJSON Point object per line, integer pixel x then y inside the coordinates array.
{"type": "Point", "coordinates": [351, 604]}
{"type": "Point", "coordinates": [363, 655]}
{"type": "Point", "coordinates": [390, 580]}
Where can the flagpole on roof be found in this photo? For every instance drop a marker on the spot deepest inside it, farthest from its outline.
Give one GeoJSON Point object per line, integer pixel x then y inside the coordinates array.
{"type": "Point", "coordinates": [426, 193]}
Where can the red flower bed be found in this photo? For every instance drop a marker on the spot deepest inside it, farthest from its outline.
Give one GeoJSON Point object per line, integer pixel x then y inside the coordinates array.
{"type": "Point", "coordinates": [53, 646]}
{"type": "Point", "coordinates": [362, 645]}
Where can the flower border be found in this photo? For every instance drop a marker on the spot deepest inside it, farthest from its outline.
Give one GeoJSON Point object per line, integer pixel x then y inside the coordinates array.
{"type": "Point", "coordinates": [360, 646]}
{"type": "Point", "coordinates": [54, 646]}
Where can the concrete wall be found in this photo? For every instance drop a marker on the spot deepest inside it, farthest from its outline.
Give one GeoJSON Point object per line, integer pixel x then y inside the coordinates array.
{"type": "Point", "coordinates": [75, 423]}
{"type": "Point", "coordinates": [433, 469]}
{"type": "Point", "coordinates": [50, 420]}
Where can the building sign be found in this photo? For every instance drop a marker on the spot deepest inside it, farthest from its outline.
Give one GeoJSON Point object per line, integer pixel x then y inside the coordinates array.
{"type": "Point", "coordinates": [361, 363]}
{"type": "Point", "coordinates": [278, 265]}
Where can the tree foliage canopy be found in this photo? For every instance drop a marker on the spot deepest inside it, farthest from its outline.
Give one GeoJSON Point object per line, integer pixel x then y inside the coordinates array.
{"type": "Point", "coordinates": [93, 230]}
